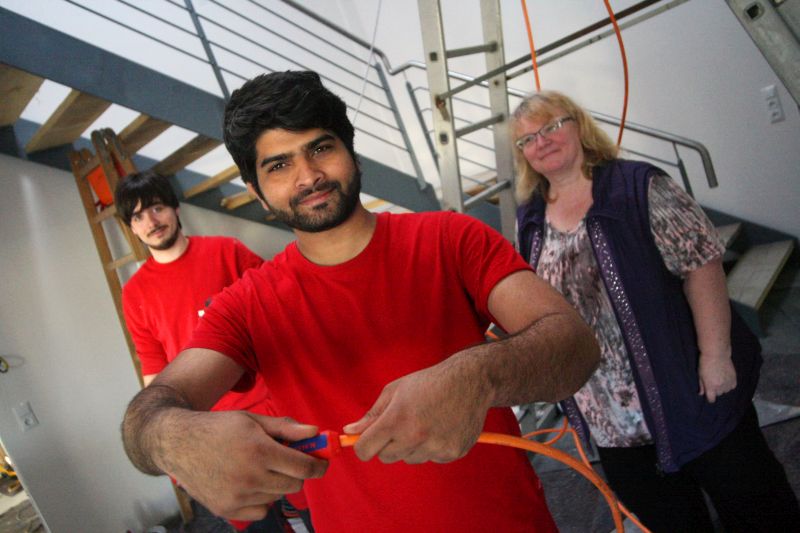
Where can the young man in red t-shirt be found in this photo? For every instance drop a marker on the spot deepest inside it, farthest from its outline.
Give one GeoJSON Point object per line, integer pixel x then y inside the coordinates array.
{"type": "Point", "coordinates": [370, 325]}
{"type": "Point", "coordinates": [164, 300]}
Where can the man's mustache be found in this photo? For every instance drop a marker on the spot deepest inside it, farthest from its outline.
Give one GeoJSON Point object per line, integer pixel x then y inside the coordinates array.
{"type": "Point", "coordinates": [156, 230]}
{"type": "Point", "coordinates": [321, 187]}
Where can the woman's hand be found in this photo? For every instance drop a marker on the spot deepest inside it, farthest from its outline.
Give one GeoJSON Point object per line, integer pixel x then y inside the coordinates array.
{"type": "Point", "coordinates": [716, 375]}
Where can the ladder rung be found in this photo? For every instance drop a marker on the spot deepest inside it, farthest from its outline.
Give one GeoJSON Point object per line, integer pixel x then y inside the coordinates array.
{"type": "Point", "coordinates": [469, 50]}
{"type": "Point", "coordinates": [105, 214]}
{"type": "Point", "coordinates": [480, 125]}
{"type": "Point", "coordinates": [122, 261]}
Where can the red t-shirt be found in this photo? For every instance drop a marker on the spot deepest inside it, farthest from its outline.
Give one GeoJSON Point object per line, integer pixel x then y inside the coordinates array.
{"type": "Point", "coordinates": [163, 302]}
{"type": "Point", "coordinates": [328, 338]}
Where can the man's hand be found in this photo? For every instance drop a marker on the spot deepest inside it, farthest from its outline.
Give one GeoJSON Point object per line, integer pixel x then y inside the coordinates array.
{"type": "Point", "coordinates": [435, 414]}
{"type": "Point", "coordinates": [716, 375]}
{"type": "Point", "coordinates": [236, 465]}
{"type": "Point", "coordinates": [233, 461]}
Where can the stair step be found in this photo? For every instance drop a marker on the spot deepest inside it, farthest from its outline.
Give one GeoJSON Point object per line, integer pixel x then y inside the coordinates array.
{"type": "Point", "coordinates": [17, 88]}
{"type": "Point", "coordinates": [74, 115]}
{"type": "Point", "coordinates": [186, 154]}
{"type": "Point", "coordinates": [729, 232]}
{"type": "Point", "coordinates": [756, 271]}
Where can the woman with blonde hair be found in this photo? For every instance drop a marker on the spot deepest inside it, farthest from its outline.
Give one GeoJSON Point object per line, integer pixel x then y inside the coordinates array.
{"type": "Point", "coordinates": [670, 406]}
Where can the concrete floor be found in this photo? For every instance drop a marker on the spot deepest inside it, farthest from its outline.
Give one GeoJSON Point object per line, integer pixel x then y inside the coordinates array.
{"type": "Point", "coordinates": [579, 508]}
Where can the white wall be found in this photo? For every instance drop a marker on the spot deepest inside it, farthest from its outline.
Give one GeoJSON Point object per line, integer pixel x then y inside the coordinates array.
{"type": "Point", "coordinates": [693, 72]}
{"type": "Point", "coordinates": [59, 331]}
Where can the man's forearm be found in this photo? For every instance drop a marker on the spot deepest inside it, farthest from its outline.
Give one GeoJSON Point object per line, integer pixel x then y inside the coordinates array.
{"type": "Point", "coordinates": [547, 361]}
{"type": "Point", "coordinates": [145, 413]}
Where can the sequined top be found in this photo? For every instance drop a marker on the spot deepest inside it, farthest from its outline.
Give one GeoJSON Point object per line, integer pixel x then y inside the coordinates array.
{"type": "Point", "coordinates": [686, 240]}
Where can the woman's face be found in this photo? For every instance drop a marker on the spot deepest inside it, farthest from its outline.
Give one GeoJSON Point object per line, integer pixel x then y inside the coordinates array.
{"type": "Point", "coordinates": [553, 154]}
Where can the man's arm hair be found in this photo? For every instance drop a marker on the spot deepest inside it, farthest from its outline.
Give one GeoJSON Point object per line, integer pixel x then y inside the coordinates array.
{"type": "Point", "coordinates": [550, 353]}
{"type": "Point", "coordinates": [139, 438]}
{"type": "Point", "coordinates": [547, 361]}
{"type": "Point", "coordinates": [194, 381]}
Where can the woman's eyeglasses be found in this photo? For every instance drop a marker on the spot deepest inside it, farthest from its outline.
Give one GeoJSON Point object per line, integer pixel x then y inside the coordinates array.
{"type": "Point", "coordinates": [545, 131]}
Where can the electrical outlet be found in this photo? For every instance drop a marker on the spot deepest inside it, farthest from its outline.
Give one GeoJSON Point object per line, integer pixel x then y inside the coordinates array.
{"type": "Point", "coordinates": [25, 416]}
{"type": "Point", "coordinates": [774, 107]}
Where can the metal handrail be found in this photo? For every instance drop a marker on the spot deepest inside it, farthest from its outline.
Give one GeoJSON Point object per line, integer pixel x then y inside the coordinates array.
{"type": "Point", "coordinates": [372, 124]}
{"type": "Point", "coordinates": [384, 86]}
{"type": "Point", "coordinates": [705, 156]}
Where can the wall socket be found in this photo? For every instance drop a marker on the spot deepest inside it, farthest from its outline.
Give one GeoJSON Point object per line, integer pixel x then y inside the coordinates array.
{"type": "Point", "coordinates": [25, 417]}
{"type": "Point", "coordinates": [774, 107]}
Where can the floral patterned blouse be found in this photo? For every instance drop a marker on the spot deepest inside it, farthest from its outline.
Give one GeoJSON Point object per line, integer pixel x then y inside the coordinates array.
{"type": "Point", "coordinates": [686, 240]}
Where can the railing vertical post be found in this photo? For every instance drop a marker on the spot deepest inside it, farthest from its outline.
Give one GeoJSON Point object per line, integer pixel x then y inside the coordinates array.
{"type": "Point", "coordinates": [401, 126]}
{"type": "Point", "coordinates": [682, 169]}
{"type": "Point", "coordinates": [422, 125]}
{"type": "Point", "coordinates": [207, 47]}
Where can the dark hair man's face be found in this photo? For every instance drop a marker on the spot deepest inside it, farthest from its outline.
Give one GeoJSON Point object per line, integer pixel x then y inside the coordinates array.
{"type": "Point", "coordinates": [157, 225]}
{"type": "Point", "coordinates": [308, 179]}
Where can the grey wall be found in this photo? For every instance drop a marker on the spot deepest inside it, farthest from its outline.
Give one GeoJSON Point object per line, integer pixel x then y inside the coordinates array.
{"type": "Point", "coordinates": [59, 331]}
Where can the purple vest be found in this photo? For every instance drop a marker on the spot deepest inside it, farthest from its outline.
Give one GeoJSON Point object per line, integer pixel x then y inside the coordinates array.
{"type": "Point", "coordinates": [654, 317]}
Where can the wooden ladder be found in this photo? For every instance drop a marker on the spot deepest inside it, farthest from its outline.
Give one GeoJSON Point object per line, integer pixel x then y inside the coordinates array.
{"type": "Point", "coordinates": [107, 166]}
{"type": "Point", "coordinates": [112, 163]}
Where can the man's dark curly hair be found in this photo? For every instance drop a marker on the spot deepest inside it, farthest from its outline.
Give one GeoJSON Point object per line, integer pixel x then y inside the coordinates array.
{"type": "Point", "coordinates": [147, 187]}
{"type": "Point", "coordinates": [291, 100]}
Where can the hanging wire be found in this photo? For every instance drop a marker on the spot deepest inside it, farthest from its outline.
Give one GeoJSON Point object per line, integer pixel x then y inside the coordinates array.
{"type": "Point", "coordinates": [530, 42]}
{"type": "Point", "coordinates": [369, 61]}
{"type": "Point", "coordinates": [624, 69]}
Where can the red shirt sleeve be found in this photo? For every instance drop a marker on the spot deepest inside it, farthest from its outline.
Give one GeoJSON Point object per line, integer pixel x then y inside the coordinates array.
{"type": "Point", "coordinates": [484, 257]}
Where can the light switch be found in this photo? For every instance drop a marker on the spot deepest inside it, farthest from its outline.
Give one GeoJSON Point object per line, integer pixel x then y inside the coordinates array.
{"type": "Point", "coordinates": [25, 416]}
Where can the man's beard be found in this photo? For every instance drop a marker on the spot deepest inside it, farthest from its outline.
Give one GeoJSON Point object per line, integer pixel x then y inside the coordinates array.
{"type": "Point", "coordinates": [329, 214]}
{"type": "Point", "coordinates": [168, 243]}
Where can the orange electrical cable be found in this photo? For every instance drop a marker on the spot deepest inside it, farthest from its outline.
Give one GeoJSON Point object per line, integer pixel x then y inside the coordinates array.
{"type": "Point", "coordinates": [530, 42]}
{"type": "Point", "coordinates": [624, 68]}
{"type": "Point", "coordinates": [617, 509]}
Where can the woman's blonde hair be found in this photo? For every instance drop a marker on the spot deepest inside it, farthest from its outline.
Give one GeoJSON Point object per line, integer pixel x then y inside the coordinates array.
{"type": "Point", "coordinates": [544, 106]}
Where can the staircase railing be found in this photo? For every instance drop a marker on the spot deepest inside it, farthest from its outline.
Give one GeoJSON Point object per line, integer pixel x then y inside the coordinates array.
{"type": "Point", "coordinates": [675, 141]}
{"type": "Point", "coordinates": [238, 44]}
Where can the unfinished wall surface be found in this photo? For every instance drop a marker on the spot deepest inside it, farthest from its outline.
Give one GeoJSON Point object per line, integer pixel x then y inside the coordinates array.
{"type": "Point", "coordinates": [68, 358]}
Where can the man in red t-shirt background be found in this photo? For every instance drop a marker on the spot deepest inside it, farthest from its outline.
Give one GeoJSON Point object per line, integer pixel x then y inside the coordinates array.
{"type": "Point", "coordinates": [164, 300]}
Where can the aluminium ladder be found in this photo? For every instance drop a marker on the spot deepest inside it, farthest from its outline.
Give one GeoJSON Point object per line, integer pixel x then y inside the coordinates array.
{"type": "Point", "coordinates": [445, 131]}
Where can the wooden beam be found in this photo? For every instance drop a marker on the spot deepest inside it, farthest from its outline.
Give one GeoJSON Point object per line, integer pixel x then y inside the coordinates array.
{"type": "Point", "coordinates": [186, 154]}
{"type": "Point", "coordinates": [237, 200]}
{"type": "Point", "coordinates": [373, 204]}
{"type": "Point", "coordinates": [141, 131]}
{"type": "Point", "coordinates": [213, 182]}
{"type": "Point", "coordinates": [75, 114]}
{"type": "Point", "coordinates": [17, 88]}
